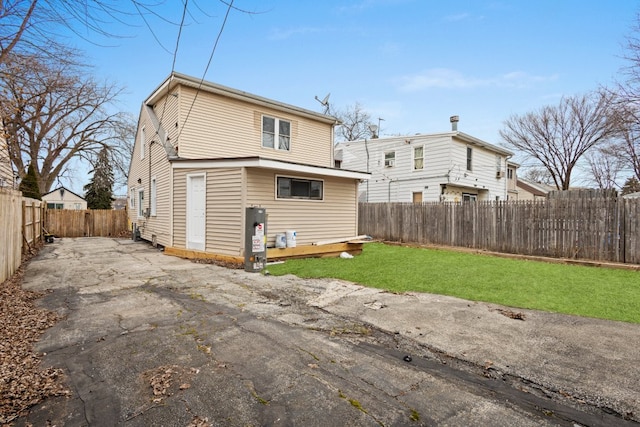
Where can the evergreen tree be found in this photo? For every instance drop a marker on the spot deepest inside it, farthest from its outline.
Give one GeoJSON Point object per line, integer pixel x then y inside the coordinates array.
{"type": "Point", "coordinates": [631, 185]}
{"type": "Point", "coordinates": [99, 190]}
{"type": "Point", "coordinates": [29, 184]}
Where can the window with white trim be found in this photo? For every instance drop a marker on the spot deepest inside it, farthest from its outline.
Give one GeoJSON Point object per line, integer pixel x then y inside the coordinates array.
{"type": "Point", "coordinates": [143, 139]}
{"type": "Point", "coordinates": [469, 158]}
{"type": "Point", "coordinates": [276, 133]}
{"type": "Point", "coordinates": [140, 200]}
{"type": "Point", "coordinates": [299, 188]}
{"type": "Point", "coordinates": [418, 157]}
{"type": "Point", "coordinates": [153, 196]}
{"type": "Point", "coordinates": [132, 198]}
{"type": "Point", "coordinates": [389, 159]}
{"type": "Point", "coordinates": [468, 197]}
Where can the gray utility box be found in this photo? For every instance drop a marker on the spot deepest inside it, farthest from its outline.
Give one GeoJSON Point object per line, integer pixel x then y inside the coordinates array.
{"type": "Point", "coordinates": [255, 239]}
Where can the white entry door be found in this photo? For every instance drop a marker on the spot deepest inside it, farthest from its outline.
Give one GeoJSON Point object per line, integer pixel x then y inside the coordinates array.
{"type": "Point", "coordinates": [196, 211]}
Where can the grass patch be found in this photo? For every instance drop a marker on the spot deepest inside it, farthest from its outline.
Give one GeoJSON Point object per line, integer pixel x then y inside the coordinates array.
{"type": "Point", "coordinates": [579, 290]}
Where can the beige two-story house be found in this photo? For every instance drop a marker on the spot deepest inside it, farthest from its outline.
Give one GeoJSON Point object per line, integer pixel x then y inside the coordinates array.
{"type": "Point", "coordinates": [205, 152]}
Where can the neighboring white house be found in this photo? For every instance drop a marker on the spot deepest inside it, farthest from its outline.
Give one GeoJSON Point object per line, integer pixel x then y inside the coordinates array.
{"type": "Point", "coordinates": [62, 198]}
{"type": "Point", "coordinates": [450, 166]}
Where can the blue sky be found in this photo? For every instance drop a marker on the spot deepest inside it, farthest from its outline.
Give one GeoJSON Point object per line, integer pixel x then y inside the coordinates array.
{"type": "Point", "coordinates": [413, 63]}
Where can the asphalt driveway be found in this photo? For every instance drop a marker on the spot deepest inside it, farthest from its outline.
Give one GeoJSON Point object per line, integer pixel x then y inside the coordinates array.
{"type": "Point", "coordinates": [150, 339]}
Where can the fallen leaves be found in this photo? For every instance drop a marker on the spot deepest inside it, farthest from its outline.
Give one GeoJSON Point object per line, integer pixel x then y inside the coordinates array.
{"type": "Point", "coordinates": [163, 378]}
{"type": "Point", "coordinates": [23, 383]}
{"type": "Point", "coordinates": [511, 314]}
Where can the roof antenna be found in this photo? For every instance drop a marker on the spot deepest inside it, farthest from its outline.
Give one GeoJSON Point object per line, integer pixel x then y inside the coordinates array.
{"type": "Point", "coordinates": [324, 102]}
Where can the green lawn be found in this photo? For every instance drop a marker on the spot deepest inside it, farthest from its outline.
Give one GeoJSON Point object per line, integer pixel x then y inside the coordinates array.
{"type": "Point", "coordinates": [583, 291]}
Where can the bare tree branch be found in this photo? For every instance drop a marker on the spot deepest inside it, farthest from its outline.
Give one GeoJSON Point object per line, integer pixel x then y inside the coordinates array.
{"type": "Point", "coordinates": [559, 136]}
{"type": "Point", "coordinates": [53, 113]}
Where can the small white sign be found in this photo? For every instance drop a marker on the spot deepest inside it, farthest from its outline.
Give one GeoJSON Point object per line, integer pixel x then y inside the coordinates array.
{"type": "Point", "coordinates": [257, 244]}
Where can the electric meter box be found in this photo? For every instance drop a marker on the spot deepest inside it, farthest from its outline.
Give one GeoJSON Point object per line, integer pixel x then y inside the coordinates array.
{"type": "Point", "coordinates": [255, 239]}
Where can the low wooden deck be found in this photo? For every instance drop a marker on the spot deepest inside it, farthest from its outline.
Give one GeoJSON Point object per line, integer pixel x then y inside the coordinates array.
{"type": "Point", "coordinates": [273, 254]}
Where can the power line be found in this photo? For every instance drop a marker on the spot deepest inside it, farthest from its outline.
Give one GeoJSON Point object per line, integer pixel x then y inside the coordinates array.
{"type": "Point", "coordinates": [175, 55]}
{"type": "Point", "coordinates": [213, 51]}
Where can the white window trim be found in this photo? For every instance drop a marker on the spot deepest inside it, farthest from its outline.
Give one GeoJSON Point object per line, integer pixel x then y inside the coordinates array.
{"type": "Point", "coordinates": [153, 196]}
{"type": "Point", "coordinates": [132, 198]}
{"type": "Point", "coordinates": [469, 158]}
{"type": "Point", "coordinates": [297, 199]}
{"type": "Point", "coordinates": [140, 203]}
{"type": "Point", "coordinates": [143, 138]}
{"type": "Point", "coordinates": [276, 136]}
{"type": "Point", "coordinates": [413, 158]}
{"type": "Point", "coordinates": [391, 162]}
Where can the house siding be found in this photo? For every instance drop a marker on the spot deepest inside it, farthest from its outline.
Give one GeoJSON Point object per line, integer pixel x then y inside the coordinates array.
{"type": "Point", "coordinates": [220, 127]}
{"type": "Point", "coordinates": [223, 207]}
{"type": "Point", "coordinates": [6, 170]}
{"type": "Point", "coordinates": [69, 200]}
{"type": "Point", "coordinates": [313, 220]}
{"type": "Point", "coordinates": [445, 163]}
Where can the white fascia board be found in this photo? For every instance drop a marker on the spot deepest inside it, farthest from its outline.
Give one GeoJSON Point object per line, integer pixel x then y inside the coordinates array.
{"type": "Point", "coordinates": [269, 164]}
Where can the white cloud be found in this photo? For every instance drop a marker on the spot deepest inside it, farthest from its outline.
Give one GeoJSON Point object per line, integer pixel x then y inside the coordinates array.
{"type": "Point", "coordinates": [445, 78]}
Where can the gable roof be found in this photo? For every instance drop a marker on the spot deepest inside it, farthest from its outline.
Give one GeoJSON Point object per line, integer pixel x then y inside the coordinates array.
{"type": "Point", "coordinates": [534, 188]}
{"type": "Point", "coordinates": [176, 79]}
{"type": "Point", "coordinates": [62, 188]}
{"type": "Point", "coordinates": [460, 136]}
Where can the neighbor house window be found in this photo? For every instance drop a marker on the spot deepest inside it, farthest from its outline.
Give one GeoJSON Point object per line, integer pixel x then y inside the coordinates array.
{"type": "Point", "coordinates": [466, 197]}
{"type": "Point", "coordinates": [298, 188]}
{"type": "Point", "coordinates": [510, 173]}
{"type": "Point", "coordinates": [469, 158]}
{"type": "Point", "coordinates": [140, 202]}
{"type": "Point", "coordinates": [132, 199]}
{"type": "Point", "coordinates": [153, 196]}
{"type": "Point", "coordinates": [78, 206]}
{"type": "Point", "coordinates": [55, 206]}
{"type": "Point", "coordinates": [389, 159]}
{"type": "Point", "coordinates": [418, 158]}
{"type": "Point", "coordinates": [276, 133]}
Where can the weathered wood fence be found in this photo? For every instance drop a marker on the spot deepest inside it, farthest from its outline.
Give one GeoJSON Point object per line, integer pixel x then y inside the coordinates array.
{"type": "Point", "coordinates": [581, 225]}
{"type": "Point", "coordinates": [86, 223]}
{"type": "Point", "coordinates": [20, 229]}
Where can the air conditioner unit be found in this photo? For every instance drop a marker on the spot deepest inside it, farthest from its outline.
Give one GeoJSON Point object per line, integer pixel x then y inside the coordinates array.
{"type": "Point", "coordinates": [499, 174]}
{"type": "Point", "coordinates": [389, 163]}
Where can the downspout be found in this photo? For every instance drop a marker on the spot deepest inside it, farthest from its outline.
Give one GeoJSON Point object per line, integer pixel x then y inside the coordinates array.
{"type": "Point", "coordinates": [506, 177]}
{"type": "Point", "coordinates": [366, 147]}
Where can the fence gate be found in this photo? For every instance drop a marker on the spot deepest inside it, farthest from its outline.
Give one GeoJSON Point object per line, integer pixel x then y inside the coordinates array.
{"type": "Point", "coordinates": [86, 223]}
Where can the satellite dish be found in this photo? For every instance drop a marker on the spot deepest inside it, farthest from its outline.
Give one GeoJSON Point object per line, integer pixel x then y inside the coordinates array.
{"type": "Point", "coordinates": [324, 102]}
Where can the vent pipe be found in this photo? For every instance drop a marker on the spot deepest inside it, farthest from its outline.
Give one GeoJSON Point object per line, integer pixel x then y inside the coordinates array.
{"type": "Point", "coordinates": [454, 123]}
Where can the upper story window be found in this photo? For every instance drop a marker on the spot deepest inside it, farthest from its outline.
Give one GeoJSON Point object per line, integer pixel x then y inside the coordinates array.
{"type": "Point", "coordinates": [418, 157]}
{"type": "Point", "coordinates": [298, 188]}
{"type": "Point", "coordinates": [469, 158]}
{"type": "Point", "coordinates": [509, 173]}
{"type": "Point", "coordinates": [143, 138]}
{"type": "Point", "coordinates": [276, 133]}
{"type": "Point", "coordinates": [389, 159]}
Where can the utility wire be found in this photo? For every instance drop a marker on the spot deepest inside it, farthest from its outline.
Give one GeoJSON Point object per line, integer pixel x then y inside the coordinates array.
{"type": "Point", "coordinates": [173, 64]}
{"type": "Point", "coordinates": [213, 51]}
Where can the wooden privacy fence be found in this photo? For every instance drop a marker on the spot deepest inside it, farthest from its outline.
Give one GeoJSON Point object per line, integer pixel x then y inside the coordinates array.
{"type": "Point", "coordinates": [586, 225]}
{"type": "Point", "coordinates": [86, 223]}
{"type": "Point", "coordinates": [20, 229]}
